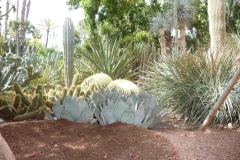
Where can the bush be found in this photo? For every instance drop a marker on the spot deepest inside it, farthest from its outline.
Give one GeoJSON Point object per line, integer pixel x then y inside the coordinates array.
{"type": "Point", "coordinates": [191, 84]}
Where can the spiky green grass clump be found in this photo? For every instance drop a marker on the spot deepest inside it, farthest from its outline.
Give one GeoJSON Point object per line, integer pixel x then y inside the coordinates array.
{"type": "Point", "coordinates": [191, 84]}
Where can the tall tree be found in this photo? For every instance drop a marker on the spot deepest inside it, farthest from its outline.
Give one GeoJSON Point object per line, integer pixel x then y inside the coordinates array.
{"type": "Point", "coordinates": [6, 19]}
{"type": "Point", "coordinates": [158, 25]}
{"type": "Point", "coordinates": [185, 12]}
{"type": "Point", "coordinates": [28, 9]}
{"type": "Point", "coordinates": [217, 24]}
{"type": "Point", "coordinates": [48, 27]}
{"type": "Point", "coordinates": [22, 32]}
{"type": "Point", "coordinates": [129, 16]}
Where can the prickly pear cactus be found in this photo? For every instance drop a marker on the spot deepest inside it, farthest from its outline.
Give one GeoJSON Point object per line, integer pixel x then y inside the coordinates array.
{"type": "Point", "coordinates": [68, 55]}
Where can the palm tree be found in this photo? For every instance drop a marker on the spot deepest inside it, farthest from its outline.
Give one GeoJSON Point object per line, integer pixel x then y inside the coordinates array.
{"type": "Point", "coordinates": [48, 27]}
{"type": "Point", "coordinates": [6, 20]}
{"type": "Point", "coordinates": [185, 11]}
{"type": "Point", "coordinates": [217, 24]}
{"type": "Point", "coordinates": [22, 32]}
{"type": "Point", "coordinates": [158, 25]}
{"type": "Point", "coordinates": [28, 9]}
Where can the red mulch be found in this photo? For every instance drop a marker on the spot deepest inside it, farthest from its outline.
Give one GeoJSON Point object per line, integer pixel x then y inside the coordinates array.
{"type": "Point", "coordinates": [64, 140]}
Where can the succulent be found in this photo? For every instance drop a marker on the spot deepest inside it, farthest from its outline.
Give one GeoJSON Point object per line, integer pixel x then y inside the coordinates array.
{"type": "Point", "coordinates": [124, 86]}
{"type": "Point", "coordinates": [68, 56]}
{"type": "Point", "coordinates": [95, 82]}
{"type": "Point", "coordinates": [74, 109]}
{"type": "Point", "coordinates": [19, 69]}
{"type": "Point", "coordinates": [22, 106]}
{"type": "Point", "coordinates": [142, 110]}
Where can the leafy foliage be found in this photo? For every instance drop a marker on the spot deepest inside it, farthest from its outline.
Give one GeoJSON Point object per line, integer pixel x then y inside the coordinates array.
{"type": "Point", "coordinates": [107, 57]}
{"type": "Point", "coordinates": [192, 84]}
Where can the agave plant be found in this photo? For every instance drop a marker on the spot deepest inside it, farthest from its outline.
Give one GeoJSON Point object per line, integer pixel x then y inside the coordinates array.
{"type": "Point", "coordinates": [191, 84]}
{"type": "Point", "coordinates": [143, 110]}
{"type": "Point", "coordinates": [74, 109]}
{"type": "Point", "coordinates": [109, 58]}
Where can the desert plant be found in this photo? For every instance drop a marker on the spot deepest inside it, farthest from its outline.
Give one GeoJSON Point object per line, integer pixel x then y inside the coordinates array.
{"type": "Point", "coordinates": [74, 109]}
{"type": "Point", "coordinates": [109, 58]}
{"type": "Point", "coordinates": [20, 106]}
{"type": "Point", "coordinates": [124, 86]}
{"type": "Point", "coordinates": [68, 56]}
{"type": "Point", "coordinates": [191, 84]}
{"type": "Point", "coordinates": [143, 110]}
{"type": "Point", "coordinates": [19, 69]}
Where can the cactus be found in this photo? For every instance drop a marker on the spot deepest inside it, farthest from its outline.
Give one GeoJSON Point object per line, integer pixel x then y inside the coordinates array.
{"type": "Point", "coordinates": [34, 104]}
{"type": "Point", "coordinates": [124, 86]}
{"type": "Point", "coordinates": [68, 56]}
{"type": "Point", "coordinates": [19, 91]}
{"type": "Point", "coordinates": [95, 82]}
{"type": "Point", "coordinates": [28, 115]}
{"type": "Point", "coordinates": [112, 106]}
{"type": "Point", "coordinates": [19, 69]}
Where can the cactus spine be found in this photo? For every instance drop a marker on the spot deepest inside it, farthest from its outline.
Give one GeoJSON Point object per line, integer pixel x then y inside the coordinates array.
{"type": "Point", "coordinates": [68, 56]}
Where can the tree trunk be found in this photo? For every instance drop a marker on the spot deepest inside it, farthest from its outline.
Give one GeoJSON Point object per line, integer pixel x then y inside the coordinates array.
{"type": "Point", "coordinates": [217, 25]}
{"type": "Point", "coordinates": [5, 151]}
{"type": "Point", "coordinates": [162, 40]}
{"type": "Point", "coordinates": [28, 9]}
{"type": "Point", "coordinates": [17, 10]}
{"type": "Point", "coordinates": [183, 39]}
{"type": "Point", "coordinates": [47, 39]}
{"type": "Point", "coordinates": [22, 32]}
{"type": "Point", "coordinates": [6, 19]}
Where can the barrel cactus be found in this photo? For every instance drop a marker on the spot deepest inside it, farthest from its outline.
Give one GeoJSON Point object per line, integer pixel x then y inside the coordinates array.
{"type": "Point", "coordinates": [68, 55]}
{"type": "Point", "coordinates": [124, 86]}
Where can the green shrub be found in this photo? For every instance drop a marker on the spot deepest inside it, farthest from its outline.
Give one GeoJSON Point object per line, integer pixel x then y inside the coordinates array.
{"type": "Point", "coordinates": [191, 84]}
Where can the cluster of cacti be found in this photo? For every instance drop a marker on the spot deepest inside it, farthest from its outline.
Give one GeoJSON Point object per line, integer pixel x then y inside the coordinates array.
{"type": "Point", "coordinates": [19, 69]}
{"type": "Point", "coordinates": [68, 55]}
{"type": "Point", "coordinates": [22, 106]}
{"type": "Point", "coordinates": [74, 109]}
{"type": "Point", "coordinates": [112, 106]}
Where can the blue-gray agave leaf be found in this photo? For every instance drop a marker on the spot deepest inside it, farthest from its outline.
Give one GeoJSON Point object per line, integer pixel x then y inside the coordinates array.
{"type": "Point", "coordinates": [87, 114]}
{"type": "Point", "coordinates": [120, 107]}
{"type": "Point", "coordinates": [139, 116]}
{"type": "Point", "coordinates": [156, 110]}
{"type": "Point", "coordinates": [128, 116]}
{"type": "Point", "coordinates": [66, 115]}
{"type": "Point", "coordinates": [57, 109]}
{"type": "Point", "coordinates": [134, 97]}
{"type": "Point", "coordinates": [107, 93]}
{"type": "Point", "coordinates": [108, 114]}
{"type": "Point", "coordinates": [148, 123]}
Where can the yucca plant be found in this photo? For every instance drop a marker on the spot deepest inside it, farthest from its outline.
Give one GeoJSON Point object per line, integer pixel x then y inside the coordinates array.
{"type": "Point", "coordinates": [109, 58]}
{"type": "Point", "coordinates": [191, 84]}
{"type": "Point", "coordinates": [159, 25]}
{"type": "Point", "coordinates": [185, 11]}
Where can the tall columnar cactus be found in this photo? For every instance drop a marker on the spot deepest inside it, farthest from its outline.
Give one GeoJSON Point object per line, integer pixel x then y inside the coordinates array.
{"type": "Point", "coordinates": [68, 45]}
{"type": "Point", "coordinates": [217, 24]}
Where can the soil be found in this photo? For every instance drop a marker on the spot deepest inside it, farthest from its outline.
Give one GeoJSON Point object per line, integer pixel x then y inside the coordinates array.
{"type": "Point", "coordinates": [64, 140]}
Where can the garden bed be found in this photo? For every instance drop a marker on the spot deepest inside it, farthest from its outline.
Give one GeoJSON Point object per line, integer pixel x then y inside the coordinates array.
{"type": "Point", "coordinates": [65, 140]}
